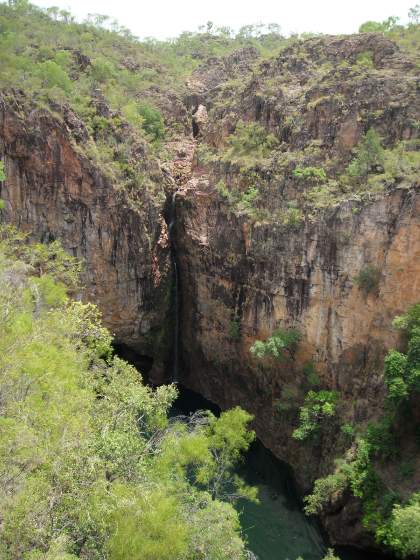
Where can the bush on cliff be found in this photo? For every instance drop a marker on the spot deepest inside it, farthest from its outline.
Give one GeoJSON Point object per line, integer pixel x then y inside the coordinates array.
{"type": "Point", "coordinates": [319, 406]}
{"type": "Point", "coordinates": [378, 449]}
{"type": "Point", "coordinates": [280, 345]}
{"type": "Point", "coordinates": [369, 155]}
{"type": "Point", "coordinates": [404, 528]}
{"type": "Point", "coordinates": [249, 145]}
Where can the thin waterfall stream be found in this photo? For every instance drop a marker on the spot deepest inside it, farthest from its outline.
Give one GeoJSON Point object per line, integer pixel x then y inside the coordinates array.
{"type": "Point", "coordinates": [176, 299]}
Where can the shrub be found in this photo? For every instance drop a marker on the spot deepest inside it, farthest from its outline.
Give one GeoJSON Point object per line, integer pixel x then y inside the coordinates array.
{"type": "Point", "coordinates": [402, 371]}
{"type": "Point", "coordinates": [90, 465]}
{"type": "Point", "coordinates": [368, 279]}
{"type": "Point", "coordinates": [310, 373]}
{"type": "Point", "coordinates": [323, 490]}
{"type": "Point", "coordinates": [289, 396]}
{"type": "Point", "coordinates": [292, 217]}
{"type": "Point", "coordinates": [52, 75]}
{"type": "Point", "coordinates": [405, 527]}
{"type": "Point", "coordinates": [247, 199]}
{"type": "Point", "coordinates": [235, 330]}
{"type": "Point", "coordinates": [330, 555]}
{"type": "Point", "coordinates": [410, 321]}
{"type": "Point", "coordinates": [348, 430]}
{"type": "Point", "coordinates": [379, 27]}
{"type": "Point", "coordinates": [281, 344]}
{"type": "Point", "coordinates": [102, 70]}
{"type": "Point", "coordinates": [365, 59]}
{"type": "Point", "coordinates": [144, 116]}
{"type": "Point", "coordinates": [205, 154]}
{"type": "Point", "coordinates": [315, 174]}
{"type": "Point", "coordinates": [369, 155]}
{"type": "Point", "coordinates": [249, 144]}
{"type": "Point", "coordinates": [395, 368]}
{"type": "Point", "coordinates": [318, 407]}
{"type": "Point", "coordinates": [381, 438]}
{"type": "Point", "coordinates": [153, 123]}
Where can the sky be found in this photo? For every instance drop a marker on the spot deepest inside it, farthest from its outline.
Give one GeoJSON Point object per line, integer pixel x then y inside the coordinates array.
{"type": "Point", "coordinates": [168, 18]}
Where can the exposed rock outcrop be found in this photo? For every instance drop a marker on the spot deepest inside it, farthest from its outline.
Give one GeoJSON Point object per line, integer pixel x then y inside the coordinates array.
{"type": "Point", "coordinates": [53, 191]}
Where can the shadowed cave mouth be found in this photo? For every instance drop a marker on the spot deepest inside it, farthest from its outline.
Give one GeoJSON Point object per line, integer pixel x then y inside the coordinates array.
{"type": "Point", "coordinates": [141, 362]}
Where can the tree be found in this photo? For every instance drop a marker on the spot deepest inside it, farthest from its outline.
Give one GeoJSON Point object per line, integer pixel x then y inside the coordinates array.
{"type": "Point", "coordinates": [402, 371]}
{"type": "Point", "coordinates": [369, 155]}
{"type": "Point", "coordinates": [414, 15]}
{"type": "Point", "coordinates": [52, 75]}
{"type": "Point", "coordinates": [379, 27]}
{"type": "Point", "coordinates": [89, 465]}
{"type": "Point", "coordinates": [318, 407]}
{"type": "Point", "coordinates": [281, 344]}
{"type": "Point", "coordinates": [405, 527]}
{"type": "Point", "coordinates": [153, 123]}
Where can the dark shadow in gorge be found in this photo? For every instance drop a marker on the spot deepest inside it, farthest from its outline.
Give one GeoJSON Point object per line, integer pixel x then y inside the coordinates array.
{"type": "Point", "coordinates": [141, 362]}
{"type": "Point", "coordinates": [276, 529]}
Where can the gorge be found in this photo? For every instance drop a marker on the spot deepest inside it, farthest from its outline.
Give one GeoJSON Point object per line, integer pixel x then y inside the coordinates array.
{"type": "Point", "coordinates": [253, 216]}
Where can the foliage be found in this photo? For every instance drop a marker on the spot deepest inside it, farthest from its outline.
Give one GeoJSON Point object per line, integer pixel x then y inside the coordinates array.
{"type": "Point", "coordinates": [400, 166]}
{"type": "Point", "coordinates": [368, 279]}
{"type": "Point", "coordinates": [394, 523]}
{"type": "Point", "coordinates": [318, 407]}
{"type": "Point", "coordinates": [369, 155]}
{"type": "Point", "coordinates": [315, 174]}
{"type": "Point", "coordinates": [242, 202]}
{"type": "Point", "coordinates": [402, 371]}
{"type": "Point", "coordinates": [90, 467]}
{"type": "Point", "coordinates": [249, 145]}
{"type": "Point", "coordinates": [405, 527]}
{"type": "Point", "coordinates": [235, 330]}
{"type": "Point", "coordinates": [310, 373]}
{"type": "Point", "coordinates": [323, 490]}
{"type": "Point", "coordinates": [280, 345]}
{"type": "Point", "coordinates": [365, 59]}
{"type": "Point", "coordinates": [52, 75]}
{"type": "Point", "coordinates": [289, 397]}
{"type": "Point", "coordinates": [153, 123]}
{"type": "Point", "coordinates": [331, 555]}
{"type": "Point", "coordinates": [348, 430]}
{"type": "Point", "coordinates": [414, 15]}
{"type": "Point", "coordinates": [379, 27]}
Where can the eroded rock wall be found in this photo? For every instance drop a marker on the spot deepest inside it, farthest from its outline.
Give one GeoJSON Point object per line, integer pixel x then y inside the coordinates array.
{"type": "Point", "coordinates": [53, 191]}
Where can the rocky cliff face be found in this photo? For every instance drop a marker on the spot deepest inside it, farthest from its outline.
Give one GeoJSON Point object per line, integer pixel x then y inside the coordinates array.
{"type": "Point", "coordinates": [260, 277]}
{"type": "Point", "coordinates": [53, 191]}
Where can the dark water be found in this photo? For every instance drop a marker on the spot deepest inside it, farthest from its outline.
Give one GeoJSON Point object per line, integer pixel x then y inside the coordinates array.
{"type": "Point", "coordinates": [276, 528]}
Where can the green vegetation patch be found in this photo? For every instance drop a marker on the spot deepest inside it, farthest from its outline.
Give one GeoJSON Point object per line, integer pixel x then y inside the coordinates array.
{"type": "Point", "coordinates": [393, 519]}
{"type": "Point", "coordinates": [90, 465]}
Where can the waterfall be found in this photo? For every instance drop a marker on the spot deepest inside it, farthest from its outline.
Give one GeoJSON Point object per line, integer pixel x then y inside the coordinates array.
{"type": "Point", "coordinates": [175, 269]}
